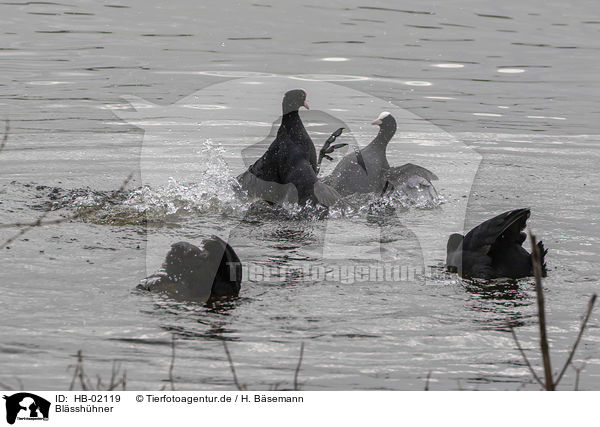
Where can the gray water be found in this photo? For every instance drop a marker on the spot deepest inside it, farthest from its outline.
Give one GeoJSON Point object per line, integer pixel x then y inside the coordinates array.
{"type": "Point", "coordinates": [499, 100]}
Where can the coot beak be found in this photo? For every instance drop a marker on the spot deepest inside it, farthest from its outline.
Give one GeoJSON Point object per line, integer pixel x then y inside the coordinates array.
{"type": "Point", "coordinates": [306, 105]}
{"type": "Point", "coordinates": [376, 122]}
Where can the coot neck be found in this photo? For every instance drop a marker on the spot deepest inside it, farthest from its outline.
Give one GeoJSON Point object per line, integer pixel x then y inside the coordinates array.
{"type": "Point", "coordinates": [292, 124]}
{"type": "Point", "coordinates": [384, 135]}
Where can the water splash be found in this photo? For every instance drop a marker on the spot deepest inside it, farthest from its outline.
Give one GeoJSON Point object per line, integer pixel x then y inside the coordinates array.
{"type": "Point", "coordinates": [214, 191]}
{"type": "Point", "coordinates": [217, 192]}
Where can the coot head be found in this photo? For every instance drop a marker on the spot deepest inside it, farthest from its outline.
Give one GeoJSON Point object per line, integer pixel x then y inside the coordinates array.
{"type": "Point", "coordinates": [293, 100]}
{"type": "Point", "coordinates": [386, 123]}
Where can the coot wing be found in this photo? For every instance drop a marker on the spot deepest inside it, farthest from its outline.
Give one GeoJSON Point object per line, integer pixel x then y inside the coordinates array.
{"type": "Point", "coordinates": [507, 225]}
{"type": "Point", "coordinates": [225, 267]}
{"type": "Point", "coordinates": [404, 172]}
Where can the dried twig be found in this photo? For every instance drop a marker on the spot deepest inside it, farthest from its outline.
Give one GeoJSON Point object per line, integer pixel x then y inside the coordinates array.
{"type": "Point", "coordinates": [26, 227]}
{"type": "Point", "coordinates": [78, 373]}
{"type": "Point", "coordinates": [8, 387]}
{"type": "Point", "coordinates": [114, 383]}
{"type": "Point", "coordinates": [73, 379]}
{"type": "Point", "coordinates": [577, 372]}
{"type": "Point", "coordinates": [537, 271]}
{"type": "Point", "coordinates": [86, 384]}
{"type": "Point", "coordinates": [82, 377]}
{"type": "Point", "coordinates": [113, 375]}
{"type": "Point", "coordinates": [576, 343]}
{"type": "Point", "coordinates": [550, 383]}
{"type": "Point", "coordinates": [427, 381]}
{"type": "Point", "coordinates": [172, 362]}
{"type": "Point", "coordinates": [298, 367]}
{"type": "Point", "coordinates": [525, 357]}
{"type": "Point", "coordinates": [274, 386]}
{"type": "Point", "coordinates": [5, 138]}
{"type": "Point", "coordinates": [235, 378]}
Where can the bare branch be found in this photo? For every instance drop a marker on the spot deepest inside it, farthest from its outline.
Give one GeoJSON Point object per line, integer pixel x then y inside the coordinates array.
{"type": "Point", "coordinates": [537, 271]}
{"type": "Point", "coordinates": [79, 374]}
{"type": "Point", "coordinates": [76, 370]}
{"type": "Point", "coordinates": [576, 343]}
{"type": "Point", "coordinates": [26, 227]}
{"type": "Point", "coordinates": [512, 331]}
{"type": "Point", "coordinates": [114, 383]}
{"type": "Point", "coordinates": [86, 384]}
{"type": "Point", "coordinates": [113, 375]}
{"type": "Point", "coordinates": [298, 367]}
{"type": "Point", "coordinates": [5, 138]}
{"type": "Point", "coordinates": [577, 372]}
{"type": "Point", "coordinates": [550, 384]}
{"type": "Point", "coordinates": [235, 378]}
{"type": "Point", "coordinates": [6, 386]}
{"type": "Point", "coordinates": [172, 362]}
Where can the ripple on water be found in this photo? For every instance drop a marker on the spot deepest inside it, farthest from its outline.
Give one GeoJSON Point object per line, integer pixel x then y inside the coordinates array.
{"type": "Point", "coordinates": [47, 83]}
{"type": "Point", "coordinates": [335, 59]}
{"type": "Point", "coordinates": [417, 83]}
{"type": "Point", "coordinates": [547, 117]}
{"type": "Point", "coordinates": [448, 65]}
{"type": "Point", "coordinates": [205, 106]}
{"type": "Point", "coordinates": [510, 70]}
{"type": "Point", "coordinates": [222, 73]}
{"type": "Point", "coordinates": [328, 77]}
{"type": "Point", "coordinates": [439, 97]}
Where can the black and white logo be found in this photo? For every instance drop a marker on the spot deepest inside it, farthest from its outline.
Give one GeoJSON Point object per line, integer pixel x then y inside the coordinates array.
{"type": "Point", "coordinates": [26, 406]}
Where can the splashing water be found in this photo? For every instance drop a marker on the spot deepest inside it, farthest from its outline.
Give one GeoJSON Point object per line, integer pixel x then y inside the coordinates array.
{"type": "Point", "coordinates": [216, 191]}
{"type": "Point", "coordinates": [213, 191]}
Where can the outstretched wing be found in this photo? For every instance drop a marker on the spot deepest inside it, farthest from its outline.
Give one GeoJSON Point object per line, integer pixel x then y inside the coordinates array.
{"type": "Point", "coordinates": [271, 191]}
{"type": "Point", "coordinates": [326, 195]}
{"type": "Point", "coordinates": [508, 226]}
{"type": "Point", "coordinates": [404, 172]}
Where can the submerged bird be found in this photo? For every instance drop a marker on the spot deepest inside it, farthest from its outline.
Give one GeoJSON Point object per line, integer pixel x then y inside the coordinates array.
{"type": "Point", "coordinates": [494, 249]}
{"type": "Point", "coordinates": [368, 170]}
{"type": "Point", "coordinates": [288, 170]}
{"type": "Point", "coordinates": [193, 274]}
